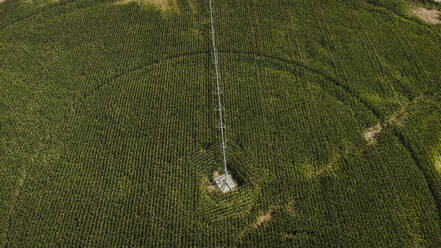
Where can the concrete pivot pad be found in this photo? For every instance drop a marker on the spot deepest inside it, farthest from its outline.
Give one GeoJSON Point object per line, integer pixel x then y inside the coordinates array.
{"type": "Point", "coordinates": [225, 183]}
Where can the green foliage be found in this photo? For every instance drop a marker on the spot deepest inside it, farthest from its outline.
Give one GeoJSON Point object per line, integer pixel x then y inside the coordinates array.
{"type": "Point", "coordinates": [395, 5]}
{"type": "Point", "coordinates": [108, 135]}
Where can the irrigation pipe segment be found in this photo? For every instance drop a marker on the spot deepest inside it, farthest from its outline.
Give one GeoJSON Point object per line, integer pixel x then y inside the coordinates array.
{"type": "Point", "coordinates": [218, 91]}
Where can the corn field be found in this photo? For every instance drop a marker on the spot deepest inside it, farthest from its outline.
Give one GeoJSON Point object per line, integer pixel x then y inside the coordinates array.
{"type": "Point", "coordinates": [108, 128]}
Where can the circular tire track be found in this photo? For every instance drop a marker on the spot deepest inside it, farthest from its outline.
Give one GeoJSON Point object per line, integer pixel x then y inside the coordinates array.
{"type": "Point", "coordinates": [274, 61]}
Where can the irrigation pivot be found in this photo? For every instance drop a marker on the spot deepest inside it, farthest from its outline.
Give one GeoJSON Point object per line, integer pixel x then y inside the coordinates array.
{"type": "Point", "coordinates": [225, 182]}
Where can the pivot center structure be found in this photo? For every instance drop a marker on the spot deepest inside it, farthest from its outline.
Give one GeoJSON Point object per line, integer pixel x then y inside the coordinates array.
{"type": "Point", "coordinates": [224, 182]}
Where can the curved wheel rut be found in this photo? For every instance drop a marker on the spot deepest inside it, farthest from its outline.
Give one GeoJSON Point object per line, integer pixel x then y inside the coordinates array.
{"type": "Point", "coordinates": [274, 60]}
{"type": "Point", "coordinates": [137, 68]}
{"type": "Point", "coordinates": [43, 9]}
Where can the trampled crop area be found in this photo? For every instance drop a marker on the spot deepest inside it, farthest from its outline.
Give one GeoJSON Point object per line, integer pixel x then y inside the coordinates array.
{"type": "Point", "coordinates": [108, 132]}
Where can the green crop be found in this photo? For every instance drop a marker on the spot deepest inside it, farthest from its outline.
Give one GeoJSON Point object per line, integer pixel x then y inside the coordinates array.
{"type": "Point", "coordinates": [108, 131]}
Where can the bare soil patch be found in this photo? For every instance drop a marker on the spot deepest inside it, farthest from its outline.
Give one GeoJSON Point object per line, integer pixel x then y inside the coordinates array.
{"type": "Point", "coordinates": [267, 216]}
{"type": "Point", "coordinates": [1, 1]}
{"type": "Point", "coordinates": [290, 208]}
{"type": "Point", "coordinates": [17, 191]}
{"type": "Point", "coordinates": [371, 133]}
{"type": "Point", "coordinates": [213, 187]}
{"type": "Point", "coordinates": [436, 157]}
{"type": "Point", "coordinates": [429, 16]}
{"type": "Point", "coordinates": [312, 169]}
{"type": "Point", "coordinates": [397, 120]}
{"type": "Point", "coordinates": [215, 174]}
{"type": "Point", "coordinates": [20, 183]}
{"type": "Point", "coordinates": [260, 219]}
